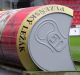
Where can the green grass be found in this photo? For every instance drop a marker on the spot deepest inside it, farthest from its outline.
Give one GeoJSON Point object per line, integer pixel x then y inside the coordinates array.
{"type": "Point", "coordinates": [75, 47]}
{"type": "Point", "coordinates": [75, 50]}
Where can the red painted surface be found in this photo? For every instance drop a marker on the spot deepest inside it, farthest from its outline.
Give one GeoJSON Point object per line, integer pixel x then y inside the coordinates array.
{"type": "Point", "coordinates": [9, 35]}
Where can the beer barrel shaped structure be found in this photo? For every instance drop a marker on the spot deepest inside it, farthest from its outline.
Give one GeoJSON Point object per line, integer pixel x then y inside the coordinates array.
{"type": "Point", "coordinates": [37, 37]}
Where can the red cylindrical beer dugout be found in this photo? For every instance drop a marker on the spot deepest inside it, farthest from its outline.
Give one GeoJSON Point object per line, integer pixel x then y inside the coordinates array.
{"type": "Point", "coordinates": [13, 24]}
